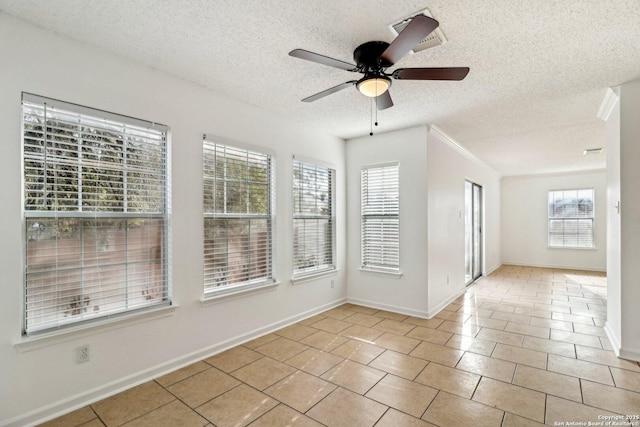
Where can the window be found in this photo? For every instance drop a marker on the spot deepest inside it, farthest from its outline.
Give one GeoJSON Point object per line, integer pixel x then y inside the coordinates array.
{"type": "Point", "coordinates": [237, 217]}
{"type": "Point", "coordinates": [313, 218]}
{"type": "Point", "coordinates": [95, 209]}
{"type": "Point", "coordinates": [571, 218]}
{"type": "Point", "coordinates": [380, 218]}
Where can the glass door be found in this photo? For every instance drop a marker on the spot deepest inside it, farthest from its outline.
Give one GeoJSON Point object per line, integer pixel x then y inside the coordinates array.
{"type": "Point", "coordinates": [472, 231]}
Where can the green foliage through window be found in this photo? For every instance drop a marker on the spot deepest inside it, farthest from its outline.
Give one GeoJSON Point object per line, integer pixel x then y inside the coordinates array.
{"type": "Point", "coordinates": [237, 216]}
{"type": "Point", "coordinates": [313, 218]}
{"type": "Point", "coordinates": [95, 208]}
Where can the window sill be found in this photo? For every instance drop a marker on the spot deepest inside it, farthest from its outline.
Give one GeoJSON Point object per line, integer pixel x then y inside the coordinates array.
{"type": "Point", "coordinates": [396, 274]}
{"type": "Point", "coordinates": [573, 248]}
{"type": "Point", "coordinates": [218, 296]}
{"type": "Point", "coordinates": [296, 280]}
{"type": "Point", "coordinates": [46, 339]}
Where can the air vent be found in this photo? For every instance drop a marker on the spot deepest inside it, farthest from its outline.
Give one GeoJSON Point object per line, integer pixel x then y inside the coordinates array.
{"type": "Point", "coordinates": [592, 151]}
{"type": "Point", "coordinates": [436, 38]}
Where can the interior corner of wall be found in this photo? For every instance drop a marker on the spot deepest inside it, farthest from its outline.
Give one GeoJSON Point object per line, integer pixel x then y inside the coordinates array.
{"type": "Point", "coordinates": [608, 102]}
{"type": "Point", "coordinates": [441, 306]}
{"type": "Point", "coordinates": [629, 354]}
{"type": "Point", "coordinates": [614, 340]}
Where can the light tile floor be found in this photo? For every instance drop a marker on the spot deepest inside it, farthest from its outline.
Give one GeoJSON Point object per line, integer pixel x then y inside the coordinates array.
{"type": "Point", "coordinates": [522, 347]}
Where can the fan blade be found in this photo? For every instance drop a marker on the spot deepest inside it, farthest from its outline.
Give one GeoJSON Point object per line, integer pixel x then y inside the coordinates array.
{"type": "Point", "coordinates": [448, 73]}
{"type": "Point", "coordinates": [329, 91]}
{"type": "Point", "coordinates": [419, 28]}
{"type": "Point", "coordinates": [321, 59]}
{"type": "Point", "coordinates": [384, 101]}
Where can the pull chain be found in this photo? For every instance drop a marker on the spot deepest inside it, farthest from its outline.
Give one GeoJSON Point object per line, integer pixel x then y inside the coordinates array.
{"type": "Point", "coordinates": [376, 111]}
{"type": "Point", "coordinates": [371, 118]}
{"type": "Point", "coordinates": [371, 111]}
{"type": "Point", "coordinates": [376, 103]}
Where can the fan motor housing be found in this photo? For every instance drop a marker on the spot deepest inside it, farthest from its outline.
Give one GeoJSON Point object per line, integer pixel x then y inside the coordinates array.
{"type": "Point", "coordinates": [367, 55]}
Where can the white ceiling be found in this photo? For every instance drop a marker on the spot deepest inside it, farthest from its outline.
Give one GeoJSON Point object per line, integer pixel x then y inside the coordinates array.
{"type": "Point", "coordinates": [539, 69]}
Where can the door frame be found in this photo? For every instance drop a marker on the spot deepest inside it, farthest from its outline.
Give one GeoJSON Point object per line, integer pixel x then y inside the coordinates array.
{"type": "Point", "coordinates": [476, 233]}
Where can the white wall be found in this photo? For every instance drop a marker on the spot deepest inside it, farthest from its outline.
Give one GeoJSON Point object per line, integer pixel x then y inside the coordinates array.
{"type": "Point", "coordinates": [448, 167]}
{"type": "Point", "coordinates": [433, 169]}
{"type": "Point", "coordinates": [630, 217]}
{"type": "Point", "coordinates": [41, 379]}
{"type": "Point", "coordinates": [525, 218]}
{"type": "Point", "coordinates": [623, 133]}
{"type": "Point", "coordinates": [613, 326]}
{"type": "Point", "coordinates": [408, 293]}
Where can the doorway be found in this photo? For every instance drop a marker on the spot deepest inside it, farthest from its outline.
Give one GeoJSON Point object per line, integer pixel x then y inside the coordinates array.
{"type": "Point", "coordinates": [472, 232]}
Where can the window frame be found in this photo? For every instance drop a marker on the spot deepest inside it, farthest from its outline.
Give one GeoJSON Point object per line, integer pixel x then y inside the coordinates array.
{"type": "Point", "coordinates": [104, 124]}
{"type": "Point", "coordinates": [327, 268]}
{"type": "Point", "coordinates": [212, 292]}
{"type": "Point", "coordinates": [550, 218]}
{"type": "Point", "coordinates": [365, 263]}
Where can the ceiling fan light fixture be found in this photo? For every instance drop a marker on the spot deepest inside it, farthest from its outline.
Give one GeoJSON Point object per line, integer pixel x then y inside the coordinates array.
{"type": "Point", "coordinates": [373, 86]}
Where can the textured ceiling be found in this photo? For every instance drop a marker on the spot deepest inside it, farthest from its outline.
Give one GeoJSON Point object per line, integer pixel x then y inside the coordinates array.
{"type": "Point", "coordinates": [539, 69]}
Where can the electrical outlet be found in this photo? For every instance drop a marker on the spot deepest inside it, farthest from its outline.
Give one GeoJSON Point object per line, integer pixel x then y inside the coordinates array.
{"type": "Point", "coordinates": [447, 279]}
{"type": "Point", "coordinates": [333, 284]}
{"type": "Point", "coordinates": [83, 354]}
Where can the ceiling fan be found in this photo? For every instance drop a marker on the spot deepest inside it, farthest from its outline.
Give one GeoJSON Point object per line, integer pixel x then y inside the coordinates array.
{"type": "Point", "coordinates": [373, 58]}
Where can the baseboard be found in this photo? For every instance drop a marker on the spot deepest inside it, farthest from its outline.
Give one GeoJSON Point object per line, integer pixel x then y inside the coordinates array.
{"type": "Point", "coordinates": [405, 310]}
{"type": "Point", "coordinates": [389, 307]}
{"type": "Point", "coordinates": [619, 351]}
{"type": "Point", "coordinates": [438, 308]}
{"type": "Point", "coordinates": [613, 339]}
{"type": "Point", "coordinates": [78, 401]}
{"type": "Point", "coordinates": [492, 269]}
{"type": "Point", "coordinates": [633, 355]}
{"type": "Point", "coordinates": [561, 267]}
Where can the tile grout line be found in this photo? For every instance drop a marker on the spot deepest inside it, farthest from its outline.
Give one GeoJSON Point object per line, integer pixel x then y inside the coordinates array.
{"type": "Point", "coordinates": [97, 415]}
{"type": "Point", "coordinates": [501, 286]}
{"type": "Point", "coordinates": [430, 403]}
{"type": "Point", "coordinates": [546, 398]}
{"type": "Point", "coordinates": [155, 409]}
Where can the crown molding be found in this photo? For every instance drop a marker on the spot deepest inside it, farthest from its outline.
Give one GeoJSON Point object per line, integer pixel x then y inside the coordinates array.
{"type": "Point", "coordinates": [608, 102]}
{"type": "Point", "coordinates": [459, 148]}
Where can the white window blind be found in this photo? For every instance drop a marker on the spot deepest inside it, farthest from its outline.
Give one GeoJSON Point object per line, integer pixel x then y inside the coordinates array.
{"type": "Point", "coordinates": [313, 218]}
{"type": "Point", "coordinates": [571, 218]}
{"type": "Point", "coordinates": [380, 220]}
{"type": "Point", "coordinates": [237, 217]}
{"type": "Point", "coordinates": [95, 208]}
